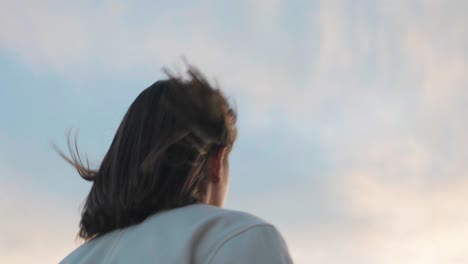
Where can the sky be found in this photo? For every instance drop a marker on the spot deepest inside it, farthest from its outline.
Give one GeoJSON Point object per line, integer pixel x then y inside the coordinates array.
{"type": "Point", "coordinates": [352, 116]}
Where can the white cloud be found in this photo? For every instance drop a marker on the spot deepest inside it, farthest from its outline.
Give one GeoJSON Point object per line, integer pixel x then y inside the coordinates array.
{"type": "Point", "coordinates": [263, 14]}
{"type": "Point", "coordinates": [409, 223]}
{"type": "Point", "coordinates": [387, 210]}
{"type": "Point", "coordinates": [398, 225]}
{"type": "Point", "coordinates": [81, 40]}
{"type": "Point", "coordinates": [36, 227]}
{"type": "Point", "coordinates": [45, 35]}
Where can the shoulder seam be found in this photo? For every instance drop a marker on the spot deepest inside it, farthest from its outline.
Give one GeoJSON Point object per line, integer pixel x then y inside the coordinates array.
{"type": "Point", "coordinates": [114, 246]}
{"type": "Point", "coordinates": [234, 235]}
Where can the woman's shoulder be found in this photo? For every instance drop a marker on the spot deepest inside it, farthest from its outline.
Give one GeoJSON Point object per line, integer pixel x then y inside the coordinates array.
{"type": "Point", "coordinates": [230, 234]}
{"type": "Point", "coordinates": [200, 229]}
{"type": "Point", "coordinates": [216, 216]}
{"type": "Point", "coordinates": [212, 227]}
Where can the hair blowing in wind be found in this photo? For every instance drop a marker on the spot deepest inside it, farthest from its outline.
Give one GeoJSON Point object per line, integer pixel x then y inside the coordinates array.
{"type": "Point", "coordinates": [158, 156]}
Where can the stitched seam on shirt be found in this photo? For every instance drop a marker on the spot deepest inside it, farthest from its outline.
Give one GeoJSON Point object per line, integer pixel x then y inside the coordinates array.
{"type": "Point", "coordinates": [114, 246]}
{"type": "Point", "coordinates": [234, 235]}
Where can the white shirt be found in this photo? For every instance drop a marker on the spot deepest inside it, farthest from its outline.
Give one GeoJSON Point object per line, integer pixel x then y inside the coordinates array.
{"type": "Point", "coordinates": [192, 234]}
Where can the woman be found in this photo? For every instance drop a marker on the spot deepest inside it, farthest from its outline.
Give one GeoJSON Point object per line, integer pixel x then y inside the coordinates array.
{"type": "Point", "coordinates": [158, 193]}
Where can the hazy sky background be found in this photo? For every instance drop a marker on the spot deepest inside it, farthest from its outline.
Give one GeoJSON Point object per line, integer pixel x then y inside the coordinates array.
{"type": "Point", "coordinates": [352, 116]}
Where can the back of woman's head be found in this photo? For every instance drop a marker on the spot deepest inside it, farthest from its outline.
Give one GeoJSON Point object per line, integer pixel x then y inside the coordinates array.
{"type": "Point", "coordinates": [157, 159]}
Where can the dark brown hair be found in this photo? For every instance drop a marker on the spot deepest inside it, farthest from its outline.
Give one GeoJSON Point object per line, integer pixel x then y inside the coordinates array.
{"type": "Point", "coordinates": [157, 159]}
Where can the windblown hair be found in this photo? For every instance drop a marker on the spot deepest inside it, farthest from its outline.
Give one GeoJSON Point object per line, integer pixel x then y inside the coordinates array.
{"type": "Point", "coordinates": [158, 157]}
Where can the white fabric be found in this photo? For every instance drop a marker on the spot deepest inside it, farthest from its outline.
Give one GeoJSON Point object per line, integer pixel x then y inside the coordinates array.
{"type": "Point", "coordinates": [192, 234]}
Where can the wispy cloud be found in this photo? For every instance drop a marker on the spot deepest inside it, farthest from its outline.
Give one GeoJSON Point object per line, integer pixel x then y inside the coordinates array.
{"type": "Point", "coordinates": [390, 223]}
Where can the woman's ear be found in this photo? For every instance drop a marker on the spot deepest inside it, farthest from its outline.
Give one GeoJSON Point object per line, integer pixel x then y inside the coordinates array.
{"type": "Point", "coordinates": [216, 165]}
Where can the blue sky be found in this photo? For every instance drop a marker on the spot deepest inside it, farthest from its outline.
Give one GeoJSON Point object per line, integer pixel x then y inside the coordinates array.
{"type": "Point", "coordinates": [351, 116]}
